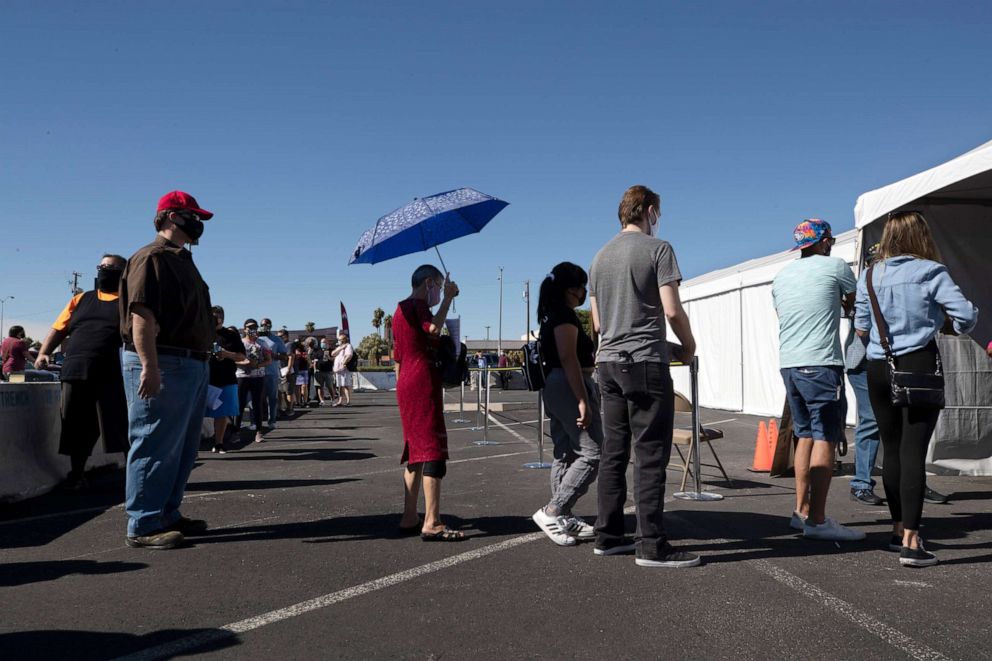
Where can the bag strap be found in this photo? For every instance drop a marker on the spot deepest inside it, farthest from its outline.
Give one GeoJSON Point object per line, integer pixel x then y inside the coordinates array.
{"type": "Point", "coordinates": [883, 329]}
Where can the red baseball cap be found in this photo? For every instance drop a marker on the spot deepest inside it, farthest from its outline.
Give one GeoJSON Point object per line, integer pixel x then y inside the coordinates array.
{"type": "Point", "coordinates": [178, 201]}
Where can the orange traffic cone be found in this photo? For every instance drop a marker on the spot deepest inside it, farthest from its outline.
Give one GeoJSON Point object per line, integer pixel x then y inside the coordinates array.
{"type": "Point", "coordinates": [762, 451]}
{"type": "Point", "coordinates": [773, 434]}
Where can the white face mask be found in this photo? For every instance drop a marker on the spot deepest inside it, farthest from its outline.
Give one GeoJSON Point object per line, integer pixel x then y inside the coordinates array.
{"type": "Point", "coordinates": [653, 226]}
{"type": "Point", "coordinates": [433, 295]}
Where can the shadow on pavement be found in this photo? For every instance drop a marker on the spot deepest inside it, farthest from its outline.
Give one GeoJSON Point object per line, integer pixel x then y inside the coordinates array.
{"type": "Point", "coordinates": [316, 454]}
{"type": "Point", "coordinates": [93, 645]}
{"type": "Point", "coordinates": [22, 573]}
{"type": "Point", "coordinates": [356, 528]}
{"type": "Point", "coordinates": [253, 485]}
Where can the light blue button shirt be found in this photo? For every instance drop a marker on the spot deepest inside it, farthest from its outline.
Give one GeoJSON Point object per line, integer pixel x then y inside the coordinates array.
{"type": "Point", "coordinates": [914, 296]}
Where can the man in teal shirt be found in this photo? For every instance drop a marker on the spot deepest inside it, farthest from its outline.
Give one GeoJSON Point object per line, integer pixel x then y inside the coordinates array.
{"type": "Point", "coordinates": [808, 294]}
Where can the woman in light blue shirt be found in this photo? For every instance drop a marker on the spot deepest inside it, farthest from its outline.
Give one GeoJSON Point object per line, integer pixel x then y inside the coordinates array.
{"type": "Point", "coordinates": [916, 297]}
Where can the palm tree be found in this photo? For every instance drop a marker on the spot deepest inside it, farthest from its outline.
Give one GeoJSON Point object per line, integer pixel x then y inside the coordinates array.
{"type": "Point", "coordinates": [309, 326]}
{"type": "Point", "coordinates": [387, 324]}
{"type": "Point", "coordinates": [377, 316]}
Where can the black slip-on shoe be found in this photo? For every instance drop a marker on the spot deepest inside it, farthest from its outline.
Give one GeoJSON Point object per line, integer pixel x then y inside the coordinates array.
{"type": "Point", "coordinates": [156, 541]}
{"type": "Point", "coordinates": [918, 557]}
{"type": "Point", "coordinates": [667, 556]}
{"type": "Point", "coordinates": [614, 547]}
{"type": "Point", "coordinates": [934, 497]}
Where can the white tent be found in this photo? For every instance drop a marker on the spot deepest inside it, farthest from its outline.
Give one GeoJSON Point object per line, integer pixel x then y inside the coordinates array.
{"type": "Point", "coordinates": [956, 199]}
{"type": "Point", "coordinates": [736, 330]}
{"type": "Point", "coordinates": [736, 327]}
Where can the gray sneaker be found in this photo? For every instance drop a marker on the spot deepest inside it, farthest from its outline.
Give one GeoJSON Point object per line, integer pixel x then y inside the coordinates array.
{"type": "Point", "coordinates": [667, 556]}
{"type": "Point", "coordinates": [157, 541]}
{"type": "Point", "coordinates": [831, 530]}
{"type": "Point", "coordinates": [797, 521]}
{"type": "Point", "coordinates": [576, 527]}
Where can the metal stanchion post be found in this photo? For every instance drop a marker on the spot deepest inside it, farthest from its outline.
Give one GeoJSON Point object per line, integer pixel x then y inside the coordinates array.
{"type": "Point", "coordinates": [698, 494]}
{"type": "Point", "coordinates": [461, 419]}
{"type": "Point", "coordinates": [478, 401]}
{"type": "Point", "coordinates": [540, 463]}
{"type": "Point", "coordinates": [485, 420]}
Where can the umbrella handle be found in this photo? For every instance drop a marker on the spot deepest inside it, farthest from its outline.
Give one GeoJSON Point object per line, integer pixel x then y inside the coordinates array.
{"type": "Point", "coordinates": [445, 269]}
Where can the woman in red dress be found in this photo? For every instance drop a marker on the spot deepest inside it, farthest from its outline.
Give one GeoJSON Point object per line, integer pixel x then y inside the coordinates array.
{"type": "Point", "coordinates": [420, 398]}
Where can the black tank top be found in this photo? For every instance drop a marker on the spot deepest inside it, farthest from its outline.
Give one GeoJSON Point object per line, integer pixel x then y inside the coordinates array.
{"type": "Point", "coordinates": [94, 340]}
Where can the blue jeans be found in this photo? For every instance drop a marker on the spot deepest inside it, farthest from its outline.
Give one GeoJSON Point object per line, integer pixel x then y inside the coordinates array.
{"type": "Point", "coordinates": [815, 396]}
{"type": "Point", "coordinates": [866, 438]}
{"type": "Point", "coordinates": [271, 396]}
{"type": "Point", "coordinates": [165, 436]}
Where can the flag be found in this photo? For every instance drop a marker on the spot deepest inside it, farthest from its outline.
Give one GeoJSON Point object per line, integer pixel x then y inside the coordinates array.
{"type": "Point", "coordinates": [344, 319]}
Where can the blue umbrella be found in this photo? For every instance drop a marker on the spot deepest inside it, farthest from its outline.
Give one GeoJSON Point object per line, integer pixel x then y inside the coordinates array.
{"type": "Point", "coordinates": [426, 223]}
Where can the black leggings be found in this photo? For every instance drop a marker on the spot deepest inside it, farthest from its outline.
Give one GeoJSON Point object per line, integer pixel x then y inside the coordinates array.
{"type": "Point", "coordinates": [905, 434]}
{"type": "Point", "coordinates": [253, 386]}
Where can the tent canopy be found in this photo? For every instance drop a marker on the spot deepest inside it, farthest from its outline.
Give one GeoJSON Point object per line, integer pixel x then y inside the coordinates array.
{"type": "Point", "coordinates": [966, 179]}
{"type": "Point", "coordinates": [956, 199]}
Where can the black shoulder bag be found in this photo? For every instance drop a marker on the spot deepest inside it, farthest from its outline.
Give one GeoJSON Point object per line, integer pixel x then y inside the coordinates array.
{"type": "Point", "coordinates": [923, 389]}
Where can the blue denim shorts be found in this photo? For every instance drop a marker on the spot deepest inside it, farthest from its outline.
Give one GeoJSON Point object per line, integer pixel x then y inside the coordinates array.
{"type": "Point", "coordinates": [816, 400]}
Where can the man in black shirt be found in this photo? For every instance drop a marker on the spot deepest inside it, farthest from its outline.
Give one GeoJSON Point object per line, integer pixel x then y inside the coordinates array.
{"type": "Point", "coordinates": [93, 404]}
{"type": "Point", "coordinates": [228, 349]}
{"type": "Point", "coordinates": [168, 331]}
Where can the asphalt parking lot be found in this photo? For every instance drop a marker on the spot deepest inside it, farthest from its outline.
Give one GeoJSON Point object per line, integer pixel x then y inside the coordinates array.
{"type": "Point", "coordinates": [303, 560]}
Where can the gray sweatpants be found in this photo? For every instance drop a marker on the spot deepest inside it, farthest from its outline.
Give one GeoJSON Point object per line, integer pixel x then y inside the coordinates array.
{"type": "Point", "coordinates": [576, 450]}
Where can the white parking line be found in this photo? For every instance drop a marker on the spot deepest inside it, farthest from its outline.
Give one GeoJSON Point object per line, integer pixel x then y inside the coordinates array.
{"type": "Point", "coordinates": [892, 636]}
{"type": "Point", "coordinates": [183, 645]}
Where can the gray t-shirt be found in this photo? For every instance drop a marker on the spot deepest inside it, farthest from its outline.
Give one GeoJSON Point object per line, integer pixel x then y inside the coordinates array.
{"type": "Point", "coordinates": [624, 280]}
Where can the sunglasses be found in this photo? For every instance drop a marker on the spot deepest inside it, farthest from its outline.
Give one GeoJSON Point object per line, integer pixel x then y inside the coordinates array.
{"type": "Point", "coordinates": [108, 267]}
{"type": "Point", "coordinates": [189, 215]}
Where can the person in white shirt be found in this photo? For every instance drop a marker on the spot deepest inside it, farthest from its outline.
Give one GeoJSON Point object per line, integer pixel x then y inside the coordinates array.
{"type": "Point", "coordinates": [342, 375]}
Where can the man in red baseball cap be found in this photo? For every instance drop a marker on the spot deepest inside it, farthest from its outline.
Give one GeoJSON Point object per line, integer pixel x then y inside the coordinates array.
{"type": "Point", "coordinates": [168, 329]}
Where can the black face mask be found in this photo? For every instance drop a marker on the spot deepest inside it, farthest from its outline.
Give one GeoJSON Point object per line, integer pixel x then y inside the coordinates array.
{"type": "Point", "coordinates": [108, 280]}
{"type": "Point", "coordinates": [582, 299]}
{"type": "Point", "coordinates": [192, 227]}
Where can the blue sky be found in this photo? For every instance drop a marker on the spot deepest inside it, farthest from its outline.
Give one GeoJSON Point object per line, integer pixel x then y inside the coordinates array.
{"type": "Point", "coordinates": [299, 124]}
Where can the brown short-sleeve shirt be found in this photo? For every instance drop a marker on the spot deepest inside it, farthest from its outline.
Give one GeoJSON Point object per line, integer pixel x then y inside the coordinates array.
{"type": "Point", "coordinates": [162, 277]}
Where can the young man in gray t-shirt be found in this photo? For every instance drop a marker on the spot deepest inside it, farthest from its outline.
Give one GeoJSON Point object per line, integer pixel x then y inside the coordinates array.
{"type": "Point", "coordinates": [634, 283]}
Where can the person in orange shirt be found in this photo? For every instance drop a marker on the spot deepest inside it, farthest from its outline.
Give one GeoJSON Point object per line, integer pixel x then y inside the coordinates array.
{"type": "Point", "coordinates": [93, 401]}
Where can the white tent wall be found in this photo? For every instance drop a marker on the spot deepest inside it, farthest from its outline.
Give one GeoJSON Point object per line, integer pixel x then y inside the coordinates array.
{"type": "Point", "coordinates": [956, 199]}
{"type": "Point", "coordinates": [736, 330]}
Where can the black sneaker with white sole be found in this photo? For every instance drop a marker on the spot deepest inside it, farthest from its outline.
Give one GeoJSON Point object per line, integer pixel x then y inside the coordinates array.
{"type": "Point", "coordinates": [614, 547]}
{"type": "Point", "coordinates": [667, 556]}
{"type": "Point", "coordinates": [895, 543]}
{"type": "Point", "coordinates": [918, 557]}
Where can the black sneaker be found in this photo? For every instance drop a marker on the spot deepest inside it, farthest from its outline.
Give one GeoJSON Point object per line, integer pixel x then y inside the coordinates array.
{"type": "Point", "coordinates": [895, 543]}
{"type": "Point", "coordinates": [614, 547]}
{"type": "Point", "coordinates": [667, 556]}
{"type": "Point", "coordinates": [188, 526]}
{"type": "Point", "coordinates": [918, 557]}
{"type": "Point", "coordinates": [934, 497]}
{"type": "Point", "coordinates": [866, 496]}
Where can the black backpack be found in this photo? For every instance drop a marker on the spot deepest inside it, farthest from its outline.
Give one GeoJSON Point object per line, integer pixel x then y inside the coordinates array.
{"type": "Point", "coordinates": [533, 366]}
{"type": "Point", "coordinates": [451, 362]}
{"type": "Point", "coordinates": [352, 364]}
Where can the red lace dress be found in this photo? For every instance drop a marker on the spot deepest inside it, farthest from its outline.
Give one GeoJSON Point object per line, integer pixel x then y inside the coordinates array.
{"type": "Point", "coordinates": [418, 388]}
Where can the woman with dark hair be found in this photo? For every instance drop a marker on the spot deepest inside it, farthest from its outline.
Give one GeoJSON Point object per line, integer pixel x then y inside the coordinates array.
{"type": "Point", "coordinates": [571, 400]}
{"type": "Point", "coordinates": [14, 351]}
{"type": "Point", "coordinates": [916, 297]}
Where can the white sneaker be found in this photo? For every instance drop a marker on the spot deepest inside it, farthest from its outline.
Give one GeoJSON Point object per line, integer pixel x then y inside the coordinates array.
{"type": "Point", "coordinates": [577, 528]}
{"type": "Point", "coordinates": [831, 530]}
{"type": "Point", "coordinates": [251, 427]}
{"type": "Point", "coordinates": [553, 528]}
{"type": "Point", "coordinates": [797, 522]}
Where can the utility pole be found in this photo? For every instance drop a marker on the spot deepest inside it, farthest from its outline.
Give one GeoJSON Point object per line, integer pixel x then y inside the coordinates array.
{"type": "Point", "coordinates": [499, 329]}
{"type": "Point", "coordinates": [527, 300]}
{"type": "Point", "coordinates": [487, 333]}
{"type": "Point", "coordinates": [3, 301]}
{"type": "Point", "coordinates": [76, 275]}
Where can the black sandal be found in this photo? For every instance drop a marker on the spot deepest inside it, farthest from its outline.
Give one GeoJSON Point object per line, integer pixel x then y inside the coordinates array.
{"type": "Point", "coordinates": [445, 535]}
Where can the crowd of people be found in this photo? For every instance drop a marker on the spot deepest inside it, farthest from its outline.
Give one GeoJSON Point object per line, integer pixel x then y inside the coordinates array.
{"type": "Point", "coordinates": [150, 356]}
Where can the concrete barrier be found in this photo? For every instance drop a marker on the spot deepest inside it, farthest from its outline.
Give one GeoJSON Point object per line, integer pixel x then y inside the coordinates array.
{"type": "Point", "coordinates": [30, 425]}
{"type": "Point", "coordinates": [375, 380]}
